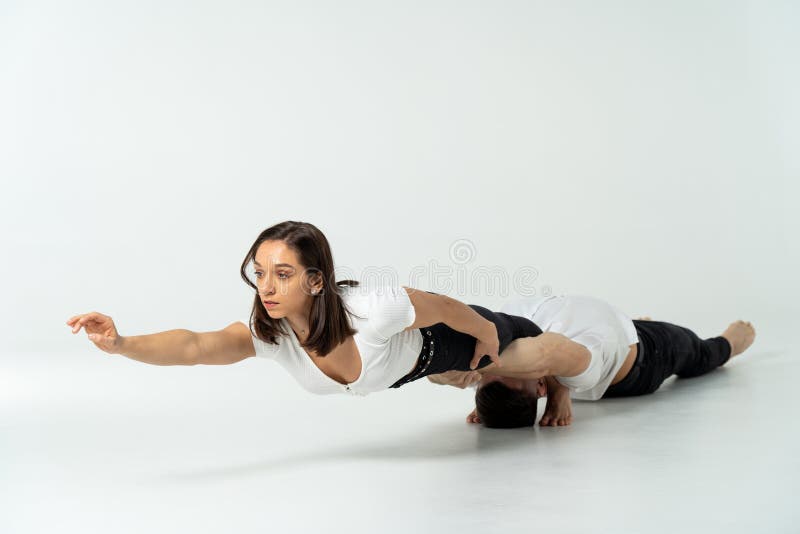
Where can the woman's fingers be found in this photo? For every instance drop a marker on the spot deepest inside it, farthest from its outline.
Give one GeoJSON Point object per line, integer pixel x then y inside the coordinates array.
{"type": "Point", "coordinates": [90, 321]}
{"type": "Point", "coordinates": [73, 322]}
{"type": "Point", "coordinates": [83, 321]}
{"type": "Point", "coordinates": [480, 352]}
{"type": "Point", "coordinates": [76, 323]}
{"type": "Point", "coordinates": [100, 330]}
{"type": "Point", "coordinates": [475, 359]}
{"type": "Point", "coordinates": [487, 345]}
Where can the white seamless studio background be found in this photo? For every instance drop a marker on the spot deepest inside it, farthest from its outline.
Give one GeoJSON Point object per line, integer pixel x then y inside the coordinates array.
{"type": "Point", "coordinates": [642, 152]}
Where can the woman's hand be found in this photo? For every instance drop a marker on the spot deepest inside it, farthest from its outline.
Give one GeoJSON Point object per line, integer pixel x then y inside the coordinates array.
{"type": "Point", "coordinates": [100, 329]}
{"type": "Point", "coordinates": [487, 344]}
{"type": "Point", "coordinates": [459, 379]}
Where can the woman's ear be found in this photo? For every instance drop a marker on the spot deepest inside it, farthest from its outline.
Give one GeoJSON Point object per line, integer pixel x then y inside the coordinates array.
{"type": "Point", "coordinates": [314, 283]}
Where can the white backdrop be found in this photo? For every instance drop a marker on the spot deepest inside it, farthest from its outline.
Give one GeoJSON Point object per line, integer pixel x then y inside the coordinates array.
{"type": "Point", "coordinates": [641, 152]}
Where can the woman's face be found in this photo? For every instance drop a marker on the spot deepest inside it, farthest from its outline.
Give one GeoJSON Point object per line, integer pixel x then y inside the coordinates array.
{"type": "Point", "coordinates": [283, 283]}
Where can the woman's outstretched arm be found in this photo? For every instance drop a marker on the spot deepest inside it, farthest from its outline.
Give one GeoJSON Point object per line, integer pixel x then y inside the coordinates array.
{"type": "Point", "coordinates": [172, 347]}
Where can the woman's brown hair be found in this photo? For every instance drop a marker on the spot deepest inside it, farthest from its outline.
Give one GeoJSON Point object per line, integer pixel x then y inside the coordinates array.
{"type": "Point", "coordinates": [328, 322]}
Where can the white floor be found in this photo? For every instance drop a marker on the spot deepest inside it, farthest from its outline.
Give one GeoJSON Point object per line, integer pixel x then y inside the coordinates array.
{"type": "Point", "coordinates": [97, 443]}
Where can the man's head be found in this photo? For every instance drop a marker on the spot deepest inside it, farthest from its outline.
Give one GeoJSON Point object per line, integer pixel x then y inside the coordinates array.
{"type": "Point", "coordinates": [502, 402]}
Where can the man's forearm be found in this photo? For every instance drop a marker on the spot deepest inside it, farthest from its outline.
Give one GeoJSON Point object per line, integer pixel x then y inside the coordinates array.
{"type": "Point", "coordinates": [459, 379]}
{"type": "Point", "coordinates": [548, 354]}
{"type": "Point", "coordinates": [524, 358]}
{"type": "Point", "coordinates": [173, 347]}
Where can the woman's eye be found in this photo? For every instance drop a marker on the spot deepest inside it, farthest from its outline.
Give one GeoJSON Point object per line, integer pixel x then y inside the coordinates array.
{"type": "Point", "coordinates": [280, 275]}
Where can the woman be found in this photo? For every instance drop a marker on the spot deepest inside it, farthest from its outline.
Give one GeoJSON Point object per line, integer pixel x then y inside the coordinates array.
{"type": "Point", "coordinates": [313, 326]}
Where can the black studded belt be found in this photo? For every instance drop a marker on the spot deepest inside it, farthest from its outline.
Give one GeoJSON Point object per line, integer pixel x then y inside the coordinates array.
{"type": "Point", "coordinates": [426, 355]}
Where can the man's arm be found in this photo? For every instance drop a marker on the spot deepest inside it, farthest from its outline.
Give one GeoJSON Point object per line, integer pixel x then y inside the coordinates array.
{"type": "Point", "coordinates": [459, 379]}
{"type": "Point", "coordinates": [543, 355]}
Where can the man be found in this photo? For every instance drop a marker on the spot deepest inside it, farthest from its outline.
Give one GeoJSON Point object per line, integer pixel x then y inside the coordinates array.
{"type": "Point", "coordinates": [607, 355]}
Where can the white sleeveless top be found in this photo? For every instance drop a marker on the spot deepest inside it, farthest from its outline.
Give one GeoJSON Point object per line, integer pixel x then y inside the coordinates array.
{"type": "Point", "coordinates": [595, 324]}
{"type": "Point", "coordinates": [388, 352]}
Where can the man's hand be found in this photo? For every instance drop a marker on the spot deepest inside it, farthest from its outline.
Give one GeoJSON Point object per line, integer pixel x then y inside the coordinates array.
{"type": "Point", "coordinates": [459, 379]}
{"type": "Point", "coordinates": [558, 410]}
{"type": "Point", "coordinates": [473, 417]}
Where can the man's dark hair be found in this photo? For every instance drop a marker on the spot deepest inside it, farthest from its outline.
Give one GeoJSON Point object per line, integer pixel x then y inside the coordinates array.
{"type": "Point", "coordinates": [499, 406]}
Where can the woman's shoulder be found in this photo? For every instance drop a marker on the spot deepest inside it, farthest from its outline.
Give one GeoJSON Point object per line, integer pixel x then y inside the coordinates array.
{"type": "Point", "coordinates": [390, 309]}
{"type": "Point", "coordinates": [266, 349]}
{"type": "Point", "coordinates": [355, 299]}
{"type": "Point", "coordinates": [385, 307]}
{"type": "Point", "coordinates": [373, 294]}
{"type": "Point", "coordinates": [377, 294]}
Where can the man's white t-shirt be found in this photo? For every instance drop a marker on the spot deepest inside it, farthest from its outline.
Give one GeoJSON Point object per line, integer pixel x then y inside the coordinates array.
{"type": "Point", "coordinates": [388, 351]}
{"type": "Point", "coordinates": [595, 324]}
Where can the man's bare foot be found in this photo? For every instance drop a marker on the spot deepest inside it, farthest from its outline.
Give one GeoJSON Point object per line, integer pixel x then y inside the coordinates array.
{"type": "Point", "coordinates": [740, 334]}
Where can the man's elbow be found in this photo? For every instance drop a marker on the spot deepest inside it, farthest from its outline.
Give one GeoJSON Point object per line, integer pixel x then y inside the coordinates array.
{"type": "Point", "coordinates": [564, 357]}
{"type": "Point", "coordinates": [555, 352]}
